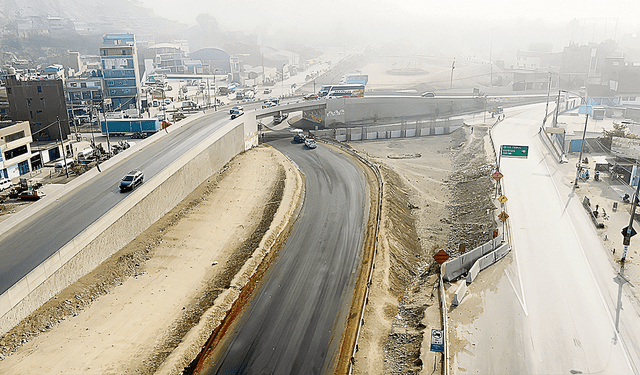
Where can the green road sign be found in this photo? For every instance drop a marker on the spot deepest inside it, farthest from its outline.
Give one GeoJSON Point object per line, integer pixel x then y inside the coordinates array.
{"type": "Point", "coordinates": [514, 151]}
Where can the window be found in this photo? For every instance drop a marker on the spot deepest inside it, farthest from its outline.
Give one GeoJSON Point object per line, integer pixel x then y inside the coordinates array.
{"type": "Point", "coordinates": [23, 167]}
{"type": "Point", "coordinates": [14, 136]}
{"type": "Point", "coordinates": [10, 154]}
{"type": "Point", "coordinates": [8, 90]}
{"type": "Point", "coordinates": [83, 85]}
{"type": "Point", "coordinates": [39, 88]}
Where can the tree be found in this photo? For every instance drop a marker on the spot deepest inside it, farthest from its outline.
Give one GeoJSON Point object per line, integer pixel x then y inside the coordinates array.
{"type": "Point", "coordinates": [619, 130]}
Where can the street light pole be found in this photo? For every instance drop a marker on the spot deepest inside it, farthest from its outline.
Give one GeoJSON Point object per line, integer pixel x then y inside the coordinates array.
{"type": "Point", "coordinates": [283, 65]}
{"type": "Point", "coordinates": [546, 109]}
{"type": "Point", "coordinates": [453, 66]}
{"type": "Point", "coordinates": [579, 165]}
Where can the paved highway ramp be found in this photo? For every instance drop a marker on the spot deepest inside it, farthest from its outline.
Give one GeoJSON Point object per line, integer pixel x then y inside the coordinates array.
{"type": "Point", "coordinates": [294, 323]}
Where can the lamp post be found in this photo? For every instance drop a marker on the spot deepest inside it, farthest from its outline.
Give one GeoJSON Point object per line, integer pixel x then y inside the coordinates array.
{"type": "Point", "coordinates": [283, 65]}
{"type": "Point", "coordinates": [584, 133]}
{"type": "Point", "coordinates": [453, 66]}
{"type": "Point", "coordinates": [215, 91]}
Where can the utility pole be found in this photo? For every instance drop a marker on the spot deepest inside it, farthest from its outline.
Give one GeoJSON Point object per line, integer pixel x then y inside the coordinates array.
{"type": "Point", "coordinates": [546, 109]}
{"type": "Point", "coordinates": [106, 126]}
{"type": "Point", "coordinates": [64, 154]}
{"type": "Point", "coordinates": [628, 232]}
{"type": "Point", "coordinates": [453, 66]}
{"type": "Point", "coordinates": [555, 118]}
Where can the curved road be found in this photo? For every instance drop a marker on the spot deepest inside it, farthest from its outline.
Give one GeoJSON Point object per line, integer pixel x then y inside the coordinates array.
{"type": "Point", "coordinates": [294, 323]}
{"type": "Point", "coordinates": [32, 241]}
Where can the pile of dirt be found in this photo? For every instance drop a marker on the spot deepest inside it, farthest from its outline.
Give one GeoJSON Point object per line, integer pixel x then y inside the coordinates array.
{"type": "Point", "coordinates": [471, 207]}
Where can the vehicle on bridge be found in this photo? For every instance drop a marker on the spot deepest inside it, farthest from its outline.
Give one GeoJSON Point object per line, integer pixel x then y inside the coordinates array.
{"type": "Point", "coordinates": [279, 118]}
{"type": "Point", "coordinates": [341, 91]}
{"type": "Point", "coordinates": [236, 108]}
{"type": "Point", "coordinates": [268, 104]}
{"type": "Point", "coordinates": [237, 113]}
{"type": "Point", "coordinates": [311, 96]}
{"type": "Point", "coordinates": [428, 94]}
{"type": "Point", "coordinates": [131, 180]}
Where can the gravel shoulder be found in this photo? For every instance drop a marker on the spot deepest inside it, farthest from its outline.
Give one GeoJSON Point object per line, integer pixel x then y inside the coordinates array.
{"type": "Point", "coordinates": [136, 313]}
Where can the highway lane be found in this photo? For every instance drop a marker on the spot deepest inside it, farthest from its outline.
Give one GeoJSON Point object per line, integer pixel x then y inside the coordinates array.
{"type": "Point", "coordinates": [32, 241]}
{"type": "Point", "coordinates": [553, 308]}
{"type": "Point", "coordinates": [295, 321]}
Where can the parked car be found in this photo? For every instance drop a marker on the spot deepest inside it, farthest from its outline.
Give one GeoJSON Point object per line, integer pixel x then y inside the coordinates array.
{"type": "Point", "coordinates": [5, 183]}
{"type": "Point", "coordinates": [60, 164]}
{"type": "Point", "coordinates": [131, 180]}
{"type": "Point", "coordinates": [236, 108]}
{"type": "Point", "coordinates": [237, 113]}
{"type": "Point", "coordinates": [267, 91]}
{"type": "Point", "coordinates": [167, 101]}
{"type": "Point", "coordinates": [428, 94]}
{"type": "Point", "coordinates": [310, 143]}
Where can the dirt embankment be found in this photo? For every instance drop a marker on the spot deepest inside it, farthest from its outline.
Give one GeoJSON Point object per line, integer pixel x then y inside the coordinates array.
{"type": "Point", "coordinates": [133, 311]}
{"type": "Point", "coordinates": [435, 201]}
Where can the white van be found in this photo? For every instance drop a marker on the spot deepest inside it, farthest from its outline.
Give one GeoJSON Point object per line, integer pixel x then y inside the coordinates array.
{"type": "Point", "coordinates": [60, 164]}
{"type": "Point", "coordinates": [5, 183]}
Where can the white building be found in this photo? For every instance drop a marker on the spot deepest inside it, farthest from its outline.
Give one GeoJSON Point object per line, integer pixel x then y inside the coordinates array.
{"type": "Point", "coordinates": [15, 148]}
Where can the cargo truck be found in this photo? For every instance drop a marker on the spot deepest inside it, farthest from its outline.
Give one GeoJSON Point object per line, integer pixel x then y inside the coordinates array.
{"type": "Point", "coordinates": [122, 127]}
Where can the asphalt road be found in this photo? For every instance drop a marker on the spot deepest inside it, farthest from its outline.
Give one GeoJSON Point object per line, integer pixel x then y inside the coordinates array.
{"type": "Point", "coordinates": [294, 323]}
{"type": "Point", "coordinates": [559, 306]}
{"type": "Point", "coordinates": [29, 243]}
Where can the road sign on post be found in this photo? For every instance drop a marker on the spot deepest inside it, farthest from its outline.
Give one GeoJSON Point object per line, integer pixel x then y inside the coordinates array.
{"type": "Point", "coordinates": [497, 175]}
{"type": "Point", "coordinates": [503, 216]}
{"type": "Point", "coordinates": [502, 199]}
{"type": "Point", "coordinates": [514, 151]}
{"type": "Point", "coordinates": [437, 340]}
{"type": "Point", "coordinates": [441, 256]}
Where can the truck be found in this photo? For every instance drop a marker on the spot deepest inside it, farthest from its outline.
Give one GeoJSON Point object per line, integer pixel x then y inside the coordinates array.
{"type": "Point", "coordinates": [189, 105]}
{"type": "Point", "coordinates": [129, 126]}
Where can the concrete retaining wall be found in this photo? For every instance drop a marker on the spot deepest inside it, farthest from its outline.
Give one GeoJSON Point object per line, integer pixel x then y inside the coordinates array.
{"type": "Point", "coordinates": [401, 130]}
{"type": "Point", "coordinates": [462, 264]}
{"type": "Point", "coordinates": [111, 232]}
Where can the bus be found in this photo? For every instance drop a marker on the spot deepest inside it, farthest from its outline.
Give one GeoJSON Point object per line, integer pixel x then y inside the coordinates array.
{"type": "Point", "coordinates": [341, 91]}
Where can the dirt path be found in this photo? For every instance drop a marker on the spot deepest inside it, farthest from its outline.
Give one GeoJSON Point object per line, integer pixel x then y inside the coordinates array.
{"type": "Point", "coordinates": [138, 310]}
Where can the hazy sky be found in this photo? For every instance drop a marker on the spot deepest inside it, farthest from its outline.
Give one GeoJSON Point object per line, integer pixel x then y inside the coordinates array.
{"type": "Point", "coordinates": [504, 24]}
{"type": "Point", "coordinates": [245, 14]}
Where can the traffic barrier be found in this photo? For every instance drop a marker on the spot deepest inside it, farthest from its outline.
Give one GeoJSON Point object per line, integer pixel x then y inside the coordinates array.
{"type": "Point", "coordinates": [456, 267]}
{"type": "Point", "coordinates": [458, 296]}
{"type": "Point", "coordinates": [473, 272]}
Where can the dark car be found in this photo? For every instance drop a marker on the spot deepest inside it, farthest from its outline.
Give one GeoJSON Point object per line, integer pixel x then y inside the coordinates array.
{"type": "Point", "coordinates": [131, 180]}
{"type": "Point", "coordinates": [299, 138]}
{"type": "Point", "coordinates": [237, 113]}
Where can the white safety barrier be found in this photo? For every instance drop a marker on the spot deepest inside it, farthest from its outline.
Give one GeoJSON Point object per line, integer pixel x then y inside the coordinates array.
{"type": "Point", "coordinates": [462, 264]}
{"type": "Point", "coordinates": [458, 296]}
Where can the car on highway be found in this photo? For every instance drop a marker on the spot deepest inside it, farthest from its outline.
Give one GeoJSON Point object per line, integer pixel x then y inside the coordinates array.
{"type": "Point", "coordinates": [236, 108]}
{"type": "Point", "coordinates": [311, 96]}
{"type": "Point", "coordinates": [237, 113]}
{"type": "Point", "coordinates": [310, 143]}
{"type": "Point", "coordinates": [268, 104]}
{"type": "Point", "coordinates": [279, 118]}
{"type": "Point", "coordinates": [131, 180]}
{"type": "Point", "coordinates": [299, 138]}
{"type": "Point", "coordinates": [267, 91]}
{"type": "Point", "coordinates": [428, 94]}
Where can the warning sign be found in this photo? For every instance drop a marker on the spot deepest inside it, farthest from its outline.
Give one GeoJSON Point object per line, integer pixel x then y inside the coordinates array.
{"type": "Point", "coordinates": [497, 175]}
{"type": "Point", "coordinates": [502, 199]}
{"type": "Point", "coordinates": [503, 216]}
{"type": "Point", "coordinates": [441, 256]}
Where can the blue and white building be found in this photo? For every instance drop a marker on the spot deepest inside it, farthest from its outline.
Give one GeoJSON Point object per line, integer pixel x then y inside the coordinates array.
{"type": "Point", "coordinates": [119, 59]}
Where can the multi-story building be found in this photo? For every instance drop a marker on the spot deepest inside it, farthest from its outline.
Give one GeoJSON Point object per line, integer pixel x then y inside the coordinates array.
{"type": "Point", "coordinates": [168, 56]}
{"type": "Point", "coordinates": [40, 101]}
{"type": "Point", "coordinates": [83, 92]}
{"type": "Point", "coordinates": [119, 59]}
{"type": "Point", "coordinates": [15, 148]}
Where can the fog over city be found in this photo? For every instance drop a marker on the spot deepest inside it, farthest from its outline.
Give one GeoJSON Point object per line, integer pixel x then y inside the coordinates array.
{"type": "Point", "coordinates": [468, 27]}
